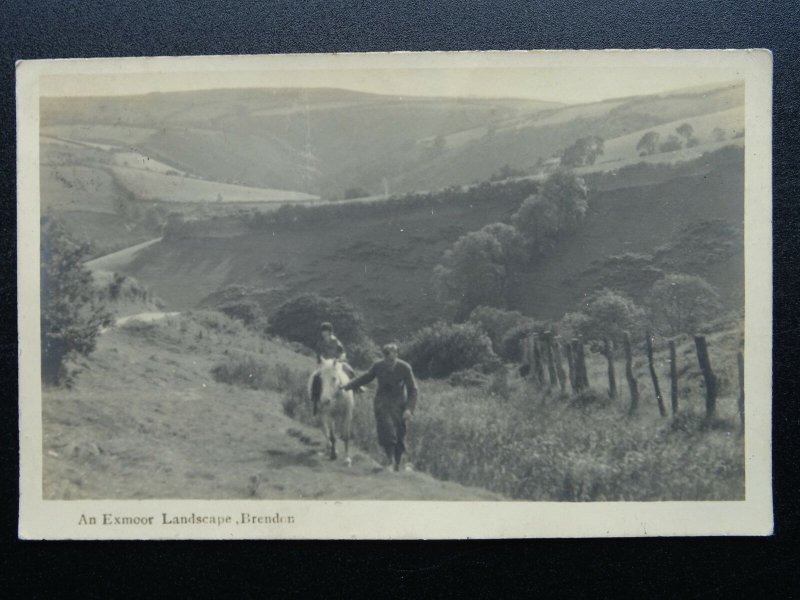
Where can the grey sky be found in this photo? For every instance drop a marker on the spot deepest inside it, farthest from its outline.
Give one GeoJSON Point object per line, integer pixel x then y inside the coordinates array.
{"type": "Point", "coordinates": [573, 84]}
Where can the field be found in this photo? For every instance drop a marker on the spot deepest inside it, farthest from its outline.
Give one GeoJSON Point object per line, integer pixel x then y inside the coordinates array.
{"type": "Point", "coordinates": [146, 419]}
{"type": "Point", "coordinates": [115, 167]}
{"type": "Point", "coordinates": [537, 444]}
{"type": "Point", "coordinates": [383, 260]}
{"type": "Point", "coordinates": [156, 185]}
{"type": "Point", "coordinates": [137, 425]}
{"type": "Point", "coordinates": [188, 194]}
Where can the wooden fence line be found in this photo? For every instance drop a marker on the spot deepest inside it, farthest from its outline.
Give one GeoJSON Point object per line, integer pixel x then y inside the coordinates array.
{"type": "Point", "coordinates": [673, 378]}
{"type": "Point", "coordinates": [633, 386]}
{"type": "Point", "coordinates": [708, 375]}
{"type": "Point", "coordinates": [544, 354]}
{"type": "Point", "coordinates": [656, 388]}
{"type": "Point", "coordinates": [608, 351]}
{"type": "Point", "coordinates": [562, 376]}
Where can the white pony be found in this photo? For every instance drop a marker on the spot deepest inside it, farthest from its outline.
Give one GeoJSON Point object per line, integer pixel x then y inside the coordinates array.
{"type": "Point", "coordinates": [335, 405]}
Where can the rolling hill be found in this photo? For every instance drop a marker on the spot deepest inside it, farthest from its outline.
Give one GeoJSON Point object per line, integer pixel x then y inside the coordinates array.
{"type": "Point", "coordinates": [323, 141]}
{"type": "Point", "coordinates": [380, 256]}
{"type": "Point", "coordinates": [114, 167]}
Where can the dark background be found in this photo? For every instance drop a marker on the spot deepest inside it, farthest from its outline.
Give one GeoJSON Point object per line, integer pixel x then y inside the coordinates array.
{"type": "Point", "coordinates": [649, 567]}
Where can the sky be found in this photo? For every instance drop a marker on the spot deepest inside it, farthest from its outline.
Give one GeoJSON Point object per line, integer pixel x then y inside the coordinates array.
{"type": "Point", "coordinates": [571, 85]}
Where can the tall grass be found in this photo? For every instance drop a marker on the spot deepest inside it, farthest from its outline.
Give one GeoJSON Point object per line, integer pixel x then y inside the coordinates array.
{"type": "Point", "coordinates": [507, 436]}
{"type": "Point", "coordinates": [532, 445]}
{"type": "Point", "coordinates": [529, 445]}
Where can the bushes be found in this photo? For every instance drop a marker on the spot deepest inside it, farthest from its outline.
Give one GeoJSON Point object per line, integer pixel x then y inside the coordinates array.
{"type": "Point", "coordinates": [511, 344]}
{"type": "Point", "coordinates": [483, 193]}
{"type": "Point", "coordinates": [442, 349]}
{"type": "Point", "coordinates": [238, 302]}
{"type": "Point", "coordinates": [478, 268]}
{"type": "Point", "coordinates": [71, 310]}
{"type": "Point", "coordinates": [298, 319]}
{"type": "Point", "coordinates": [363, 353]}
{"type": "Point", "coordinates": [250, 371]}
{"type": "Point", "coordinates": [496, 322]}
{"type": "Point", "coordinates": [606, 315]}
{"type": "Point", "coordinates": [680, 303]}
{"type": "Point", "coordinates": [216, 321]}
{"type": "Point", "coordinates": [246, 310]}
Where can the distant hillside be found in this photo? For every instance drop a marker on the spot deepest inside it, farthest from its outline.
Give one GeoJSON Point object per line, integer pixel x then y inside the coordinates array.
{"type": "Point", "coordinates": [380, 256]}
{"type": "Point", "coordinates": [325, 141]}
{"type": "Point", "coordinates": [114, 167]}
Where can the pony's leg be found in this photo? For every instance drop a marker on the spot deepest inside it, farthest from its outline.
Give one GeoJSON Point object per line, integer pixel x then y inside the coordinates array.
{"type": "Point", "coordinates": [347, 429]}
{"type": "Point", "coordinates": [333, 442]}
{"type": "Point", "coordinates": [326, 433]}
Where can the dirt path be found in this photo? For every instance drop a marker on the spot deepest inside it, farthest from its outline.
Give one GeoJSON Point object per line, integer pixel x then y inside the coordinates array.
{"type": "Point", "coordinates": [120, 258]}
{"type": "Point", "coordinates": [146, 420]}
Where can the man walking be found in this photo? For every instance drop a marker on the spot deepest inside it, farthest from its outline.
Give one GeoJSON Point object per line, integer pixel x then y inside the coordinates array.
{"type": "Point", "coordinates": [394, 402]}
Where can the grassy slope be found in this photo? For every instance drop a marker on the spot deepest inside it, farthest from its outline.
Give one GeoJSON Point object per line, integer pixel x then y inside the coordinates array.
{"type": "Point", "coordinates": [315, 141]}
{"type": "Point", "coordinates": [637, 219]}
{"type": "Point", "coordinates": [147, 420]}
{"type": "Point", "coordinates": [324, 141]}
{"type": "Point", "coordinates": [384, 264]}
{"type": "Point", "coordinates": [534, 444]}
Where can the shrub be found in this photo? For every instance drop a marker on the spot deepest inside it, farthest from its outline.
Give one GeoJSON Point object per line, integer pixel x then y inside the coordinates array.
{"type": "Point", "coordinates": [606, 315]}
{"type": "Point", "coordinates": [238, 302]}
{"type": "Point", "coordinates": [671, 144]}
{"type": "Point", "coordinates": [583, 152]}
{"type": "Point", "coordinates": [71, 310]}
{"type": "Point", "coordinates": [680, 303]}
{"type": "Point", "coordinates": [299, 318]}
{"type": "Point", "coordinates": [251, 371]}
{"type": "Point", "coordinates": [648, 143]}
{"type": "Point", "coordinates": [216, 321]}
{"type": "Point", "coordinates": [246, 310]}
{"type": "Point", "coordinates": [557, 209]}
{"type": "Point", "coordinates": [511, 344]}
{"type": "Point", "coordinates": [468, 378]}
{"type": "Point", "coordinates": [444, 348]}
{"type": "Point", "coordinates": [496, 322]}
{"type": "Point", "coordinates": [478, 268]}
{"type": "Point", "coordinates": [363, 353]}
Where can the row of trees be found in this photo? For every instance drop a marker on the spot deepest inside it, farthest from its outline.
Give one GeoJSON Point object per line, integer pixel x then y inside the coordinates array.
{"type": "Point", "coordinates": [650, 143]}
{"type": "Point", "coordinates": [677, 303]}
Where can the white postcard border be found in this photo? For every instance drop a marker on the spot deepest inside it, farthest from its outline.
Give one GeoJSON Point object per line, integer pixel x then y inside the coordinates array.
{"type": "Point", "coordinates": [299, 519]}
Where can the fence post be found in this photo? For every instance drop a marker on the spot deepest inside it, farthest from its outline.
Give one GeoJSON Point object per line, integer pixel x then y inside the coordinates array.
{"type": "Point", "coordinates": [612, 378]}
{"type": "Point", "coordinates": [708, 375]}
{"type": "Point", "coordinates": [656, 388]}
{"type": "Point", "coordinates": [571, 366]}
{"type": "Point", "coordinates": [531, 358]}
{"type": "Point", "coordinates": [524, 350]}
{"type": "Point", "coordinates": [673, 377]}
{"type": "Point", "coordinates": [562, 376]}
{"type": "Point", "coordinates": [740, 366]}
{"type": "Point", "coordinates": [537, 360]}
{"type": "Point", "coordinates": [632, 385]}
{"type": "Point", "coordinates": [547, 340]}
{"type": "Point", "coordinates": [578, 356]}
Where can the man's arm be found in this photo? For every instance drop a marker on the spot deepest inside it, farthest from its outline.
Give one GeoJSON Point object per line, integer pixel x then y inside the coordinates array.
{"type": "Point", "coordinates": [411, 389]}
{"type": "Point", "coordinates": [362, 379]}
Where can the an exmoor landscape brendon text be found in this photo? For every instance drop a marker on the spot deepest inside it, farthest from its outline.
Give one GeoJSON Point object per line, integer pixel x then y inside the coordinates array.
{"type": "Point", "coordinates": [565, 280]}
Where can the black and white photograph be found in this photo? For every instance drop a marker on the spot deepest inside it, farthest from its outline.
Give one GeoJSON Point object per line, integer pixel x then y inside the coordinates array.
{"type": "Point", "coordinates": [531, 287]}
